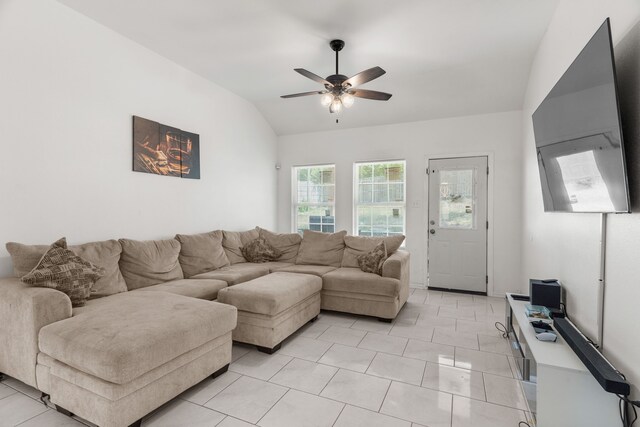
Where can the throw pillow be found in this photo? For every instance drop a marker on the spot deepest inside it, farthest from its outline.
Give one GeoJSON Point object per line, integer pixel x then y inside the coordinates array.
{"type": "Point", "coordinates": [287, 243]}
{"type": "Point", "coordinates": [105, 254]}
{"type": "Point", "coordinates": [371, 262]}
{"type": "Point", "coordinates": [232, 241]}
{"type": "Point", "coordinates": [259, 250]}
{"type": "Point", "coordinates": [61, 269]}
{"type": "Point", "coordinates": [360, 245]}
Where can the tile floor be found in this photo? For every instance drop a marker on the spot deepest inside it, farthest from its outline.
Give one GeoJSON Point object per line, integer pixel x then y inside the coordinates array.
{"type": "Point", "coordinates": [441, 363]}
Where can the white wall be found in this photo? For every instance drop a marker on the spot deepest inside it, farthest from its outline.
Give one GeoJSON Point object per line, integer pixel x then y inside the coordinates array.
{"type": "Point", "coordinates": [497, 134]}
{"type": "Point", "coordinates": [68, 89]}
{"type": "Point", "coordinates": [567, 246]}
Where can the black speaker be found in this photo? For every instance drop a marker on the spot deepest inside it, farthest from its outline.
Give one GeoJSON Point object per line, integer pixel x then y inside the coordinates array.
{"type": "Point", "coordinates": [610, 380]}
{"type": "Point", "coordinates": [547, 293]}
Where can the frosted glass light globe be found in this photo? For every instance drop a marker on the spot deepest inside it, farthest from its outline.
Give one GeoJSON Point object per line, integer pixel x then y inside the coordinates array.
{"type": "Point", "coordinates": [336, 106]}
{"type": "Point", "coordinates": [326, 99]}
{"type": "Point", "coordinates": [347, 100]}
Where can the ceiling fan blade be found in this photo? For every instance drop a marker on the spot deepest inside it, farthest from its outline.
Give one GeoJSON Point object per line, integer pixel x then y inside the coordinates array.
{"type": "Point", "coordinates": [364, 77]}
{"type": "Point", "coordinates": [314, 77]}
{"type": "Point", "coordinates": [295, 95]}
{"type": "Point", "coordinates": [370, 94]}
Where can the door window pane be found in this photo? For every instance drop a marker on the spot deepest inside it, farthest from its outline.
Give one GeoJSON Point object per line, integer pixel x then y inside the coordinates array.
{"type": "Point", "coordinates": [457, 201]}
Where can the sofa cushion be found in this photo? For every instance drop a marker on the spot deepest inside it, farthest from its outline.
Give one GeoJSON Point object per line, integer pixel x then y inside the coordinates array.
{"type": "Point", "coordinates": [321, 248]}
{"type": "Point", "coordinates": [236, 273]}
{"type": "Point", "coordinates": [200, 253]}
{"type": "Point", "coordinates": [360, 245]}
{"type": "Point", "coordinates": [146, 263]}
{"type": "Point", "coordinates": [132, 333]}
{"type": "Point", "coordinates": [288, 244]}
{"type": "Point", "coordinates": [316, 270]}
{"type": "Point", "coordinates": [259, 251]}
{"type": "Point", "coordinates": [271, 294]}
{"type": "Point", "coordinates": [232, 241]}
{"type": "Point", "coordinates": [61, 269]}
{"type": "Point", "coordinates": [354, 280]}
{"type": "Point", "coordinates": [195, 288]}
{"type": "Point", "coordinates": [105, 254]}
{"type": "Point", "coordinates": [276, 265]}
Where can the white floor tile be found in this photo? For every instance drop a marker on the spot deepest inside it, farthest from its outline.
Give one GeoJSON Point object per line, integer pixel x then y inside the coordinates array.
{"type": "Point", "coordinates": [417, 404]}
{"type": "Point", "coordinates": [357, 389]}
{"type": "Point", "coordinates": [17, 408]}
{"type": "Point", "coordinates": [234, 422]}
{"type": "Point", "coordinates": [475, 413]}
{"type": "Point", "coordinates": [51, 418]}
{"type": "Point", "coordinates": [180, 413]}
{"type": "Point", "coordinates": [417, 298]}
{"type": "Point", "coordinates": [22, 388]}
{"type": "Point", "coordinates": [420, 332]}
{"type": "Point", "coordinates": [337, 319]}
{"type": "Point", "coordinates": [432, 352]}
{"type": "Point", "coordinates": [304, 375]}
{"type": "Point", "coordinates": [470, 326]}
{"type": "Point", "coordinates": [239, 350]}
{"type": "Point", "coordinates": [457, 339]}
{"type": "Point", "coordinates": [454, 380]}
{"type": "Point", "coordinates": [313, 330]}
{"type": "Point", "coordinates": [6, 391]}
{"type": "Point", "coordinates": [397, 368]}
{"type": "Point", "coordinates": [494, 344]}
{"type": "Point", "coordinates": [457, 313]}
{"type": "Point", "coordinates": [203, 392]}
{"type": "Point", "coordinates": [342, 356]}
{"type": "Point", "coordinates": [260, 365]}
{"type": "Point", "coordinates": [298, 409]}
{"type": "Point", "coordinates": [304, 348]}
{"type": "Point", "coordinates": [504, 391]}
{"type": "Point", "coordinates": [372, 325]}
{"type": "Point", "coordinates": [437, 321]}
{"type": "Point", "coordinates": [344, 336]}
{"type": "Point", "coordinates": [247, 399]}
{"type": "Point", "coordinates": [353, 416]}
{"type": "Point", "coordinates": [492, 363]}
{"type": "Point", "coordinates": [384, 343]}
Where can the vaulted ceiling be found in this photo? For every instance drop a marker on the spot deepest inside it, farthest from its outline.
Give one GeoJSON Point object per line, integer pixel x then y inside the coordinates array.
{"type": "Point", "coordinates": [443, 58]}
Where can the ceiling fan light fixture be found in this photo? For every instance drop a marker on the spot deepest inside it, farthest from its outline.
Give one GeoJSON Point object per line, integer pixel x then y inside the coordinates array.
{"type": "Point", "coordinates": [347, 100]}
{"type": "Point", "coordinates": [336, 106]}
{"type": "Point", "coordinates": [326, 99]}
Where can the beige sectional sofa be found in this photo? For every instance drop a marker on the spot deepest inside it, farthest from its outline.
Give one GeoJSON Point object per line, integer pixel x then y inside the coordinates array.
{"type": "Point", "coordinates": [163, 316]}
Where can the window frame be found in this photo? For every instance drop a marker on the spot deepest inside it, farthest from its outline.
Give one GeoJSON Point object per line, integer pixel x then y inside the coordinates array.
{"type": "Point", "coordinates": [294, 194]}
{"type": "Point", "coordinates": [356, 204]}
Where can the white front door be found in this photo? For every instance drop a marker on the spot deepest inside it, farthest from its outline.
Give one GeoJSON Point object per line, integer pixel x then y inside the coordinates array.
{"type": "Point", "coordinates": [457, 252]}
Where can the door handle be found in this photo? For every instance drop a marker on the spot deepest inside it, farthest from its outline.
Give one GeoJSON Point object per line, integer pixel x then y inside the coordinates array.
{"type": "Point", "coordinates": [432, 231]}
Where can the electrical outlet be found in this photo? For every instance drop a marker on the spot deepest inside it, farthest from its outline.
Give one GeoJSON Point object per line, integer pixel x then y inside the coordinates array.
{"type": "Point", "coordinates": [416, 203]}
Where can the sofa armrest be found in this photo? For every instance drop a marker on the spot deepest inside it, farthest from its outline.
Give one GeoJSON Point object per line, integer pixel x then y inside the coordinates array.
{"type": "Point", "coordinates": [397, 266]}
{"type": "Point", "coordinates": [23, 311]}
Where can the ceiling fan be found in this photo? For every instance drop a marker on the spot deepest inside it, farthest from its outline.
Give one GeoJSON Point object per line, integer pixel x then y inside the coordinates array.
{"type": "Point", "coordinates": [340, 90]}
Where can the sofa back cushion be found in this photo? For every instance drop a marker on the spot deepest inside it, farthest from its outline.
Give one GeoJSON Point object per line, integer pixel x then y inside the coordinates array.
{"type": "Point", "coordinates": [359, 245]}
{"type": "Point", "coordinates": [105, 254]}
{"type": "Point", "coordinates": [321, 248]}
{"type": "Point", "coordinates": [146, 263]}
{"type": "Point", "coordinates": [200, 253]}
{"type": "Point", "coordinates": [288, 244]}
{"type": "Point", "coordinates": [232, 241]}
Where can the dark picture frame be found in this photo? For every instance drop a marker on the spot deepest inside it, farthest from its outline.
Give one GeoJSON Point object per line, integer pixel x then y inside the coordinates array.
{"type": "Point", "coordinates": [165, 150]}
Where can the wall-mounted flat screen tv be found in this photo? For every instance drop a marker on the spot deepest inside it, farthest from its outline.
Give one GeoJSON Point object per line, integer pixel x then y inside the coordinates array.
{"type": "Point", "coordinates": [578, 135]}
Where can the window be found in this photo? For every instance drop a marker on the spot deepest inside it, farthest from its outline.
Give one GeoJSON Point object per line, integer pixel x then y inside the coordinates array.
{"type": "Point", "coordinates": [379, 194]}
{"type": "Point", "coordinates": [314, 189]}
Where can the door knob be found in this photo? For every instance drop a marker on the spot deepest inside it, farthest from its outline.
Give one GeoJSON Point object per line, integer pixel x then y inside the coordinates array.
{"type": "Point", "coordinates": [432, 231]}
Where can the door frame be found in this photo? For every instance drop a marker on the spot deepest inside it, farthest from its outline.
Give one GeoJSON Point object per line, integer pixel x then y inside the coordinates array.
{"type": "Point", "coordinates": [490, 197]}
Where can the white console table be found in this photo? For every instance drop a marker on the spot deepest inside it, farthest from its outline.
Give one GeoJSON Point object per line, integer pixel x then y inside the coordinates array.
{"type": "Point", "coordinates": [565, 392]}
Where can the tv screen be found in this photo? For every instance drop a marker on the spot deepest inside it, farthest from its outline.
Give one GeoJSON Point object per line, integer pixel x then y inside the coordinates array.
{"type": "Point", "coordinates": [578, 136]}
